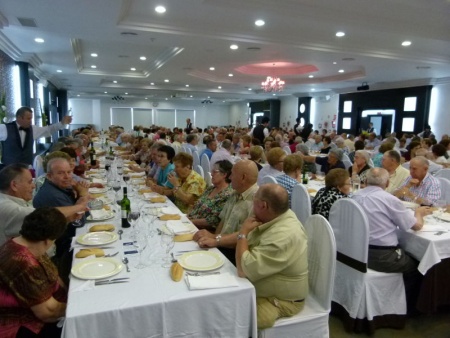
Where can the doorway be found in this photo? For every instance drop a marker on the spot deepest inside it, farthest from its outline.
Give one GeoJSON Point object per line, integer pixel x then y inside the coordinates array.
{"type": "Point", "coordinates": [383, 120]}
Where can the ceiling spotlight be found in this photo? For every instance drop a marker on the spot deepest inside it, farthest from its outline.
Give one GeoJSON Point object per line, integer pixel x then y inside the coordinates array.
{"type": "Point", "coordinates": [313, 89]}
{"type": "Point", "coordinates": [230, 75]}
{"type": "Point", "coordinates": [234, 47]}
{"type": "Point", "coordinates": [133, 69]}
{"type": "Point", "coordinates": [94, 55]}
{"type": "Point", "coordinates": [106, 92]}
{"type": "Point", "coordinates": [187, 85]}
{"type": "Point", "coordinates": [114, 81]}
{"type": "Point", "coordinates": [126, 93]}
{"type": "Point", "coordinates": [340, 70]}
{"type": "Point", "coordinates": [78, 95]}
{"type": "Point", "coordinates": [143, 58]}
{"type": "Point", "coordinates": [406, 43]}
{"type": "Point", "coordinates": [146, 98]}
{"type": "Point", "coordinates": [259, 23]}
{"type": "Point", "coordinates": [93, 66]}
{"type": "Point", "coordinates": [364, 86]}
{"type": "Point", "coordinates": [334, 63]}
{"type": "Point", "coordinates": [311, 76]}
{"type": "Point", "coordinates": [212, 68]}
{"type": "Point", "coordinates": [220, 87]}
{"type": "Point", "coordinates": [152, 83]}
{"type": "Point", "coordinates": [59, 71]}
{"type": "Point", "coordinates": [167, 99]}
{"type": "Point", "coordinates": [160, 9]}
{"type": "Point", "coordinates": [39, 40]}
{"type": "Point", "coordinates": [166, 80]}
{"type": "Point", "coordinates": [340, 34]}
{"type": "Point", "coordinates": [191, 95]}
{"type": "Point", "coordinates": [249, 89]}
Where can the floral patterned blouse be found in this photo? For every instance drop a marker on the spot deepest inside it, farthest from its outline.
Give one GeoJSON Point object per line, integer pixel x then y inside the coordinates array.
{"type": "Point", "coordinates": [210, 208]}
{"type": "Point", "coordinates": [195, 185]}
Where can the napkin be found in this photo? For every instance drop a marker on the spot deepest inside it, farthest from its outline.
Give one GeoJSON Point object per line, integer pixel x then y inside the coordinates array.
{"type": "Point", "coordinates": [178, 228]}
{"type": "Point", "coordinates": [141, 174]}
{"type": "Point", "coordinates": [83, 286]}
{"type": "Point", "coordinates": [223, 280]}
{"type": "Point", "coordinates": [98, 180]}
{"type": "Point", "coordinates": [170, 210]}
{"type": "Point", "coordinates": [148, 195]}
{"type": "Point", "coordinates": [97, 190]}
{"type": "Point", "coordinates": [99, 214]}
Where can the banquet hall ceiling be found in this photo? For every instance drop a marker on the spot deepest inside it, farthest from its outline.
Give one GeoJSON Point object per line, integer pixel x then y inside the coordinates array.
{"type": "Point", "coordinates": [297, 41]}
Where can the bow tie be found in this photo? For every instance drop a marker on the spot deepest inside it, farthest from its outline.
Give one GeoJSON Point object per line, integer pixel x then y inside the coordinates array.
{"type": "Point", "coordinates": [24, 129]}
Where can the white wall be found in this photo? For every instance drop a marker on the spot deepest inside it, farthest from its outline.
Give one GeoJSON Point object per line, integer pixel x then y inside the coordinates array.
{"type": "Point", "coordinates": [440, 110]}
{"type": "Point", "coordinates": [324, 111]}
{"type": "Point", "coordinates": [288, 111]}
{"type": "Point", "coordinates": [238, 113]}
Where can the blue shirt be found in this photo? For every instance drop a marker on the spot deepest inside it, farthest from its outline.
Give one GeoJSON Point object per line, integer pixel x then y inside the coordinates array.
{"type": "Point", "coordinates": [208, 153]}
{"type": "Point", "coordinates": [162, 176]}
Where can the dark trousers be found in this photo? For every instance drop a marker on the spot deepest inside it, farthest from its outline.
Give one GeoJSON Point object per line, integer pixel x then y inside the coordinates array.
{"type": "Point", "coordinates": [49, 330]}
{"type": "Point", "coordinates": [395, 259]}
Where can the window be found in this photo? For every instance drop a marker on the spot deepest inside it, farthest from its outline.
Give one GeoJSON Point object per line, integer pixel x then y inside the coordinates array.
{"type": "Point", "coordinates": [410, 104]}
{"type": "Point", "coordinates": [408, 124]}
{"type": "Point", "coordinates": [347, 106]}
{"type": "Point", "coordinates": [346, 123]}
{"type": "Point", "coordinates": [302, 108]}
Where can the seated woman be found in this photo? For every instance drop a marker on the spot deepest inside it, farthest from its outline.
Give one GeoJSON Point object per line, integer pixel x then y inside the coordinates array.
{"type": "Point", "coordinates": [188, 186]}
{"type": "Point", "coordinates": [32, 296]}
{"type": "Point", "coordinates": [332, 161]}
{"type": "Point", "coordinates": [326, 145]}
{"type": "Point", "coordinates": [256, 155]}
{"type": "Point", "coordinates": [360, 165]}
{"type": "Point", "coordinates": [337, 185]}
{"type": "Point", "coordinates": [386, 146]}
{"type": "Point", "coordinates": [439, 151]}
{"type": "Point", "coordinates": [205, 213]}
{"type": "Point", "coordinates": [307, 166]}
{"type": "Point", "coordinates": [164, 160]}
{"type": "Point", "coordinates": [275, 158]}
{"type": "Point", "coordinates": [143, 156]}
{"type": "Point", "coordinates": [245, 145]}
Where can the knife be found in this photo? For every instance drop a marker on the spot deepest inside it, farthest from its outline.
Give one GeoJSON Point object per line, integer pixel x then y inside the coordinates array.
{"type": "Point", "coordinates": [112, 280]}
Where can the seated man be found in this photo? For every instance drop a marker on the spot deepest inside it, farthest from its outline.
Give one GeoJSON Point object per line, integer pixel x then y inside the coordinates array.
{"type": "Point", "coordinates": [397, 174]}
{"type": "Point", "coordinates": [235, 211]}
{"type": "Point", "coordinates": [420, 187]}
{"type": "Point", "coordinates": [16, 193]}
{"type": "Point", "coordinates": [386, 214]}
{"type": "Point", "coordinates": [272, 253]}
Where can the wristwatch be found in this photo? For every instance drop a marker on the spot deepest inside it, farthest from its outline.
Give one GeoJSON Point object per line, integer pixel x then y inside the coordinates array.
{"type": "Point", "coordinates": [218, 238]}
{"type": "Point", "coordinates": [240, 236]}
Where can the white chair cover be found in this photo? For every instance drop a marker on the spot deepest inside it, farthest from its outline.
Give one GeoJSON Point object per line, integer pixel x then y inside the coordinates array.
{"type": "Point", "coordinates": [347, 163]}
{"type": "Point", "coordinates": [445, 188]}
{"type": "Point", "coordinates": [198, 168]}
{"type": "Point", "coordinates": [176, 148]}
{"type": "Point", "coordinates": [362, 294]}
{"type": "Point", "coordinates": [301, 203]}
{"type": "Point", "coordinates": [445, 173]}
{"type": "Point", "coordinates": [196, 158]}
{"type": "Point", "coordinates": [204, 162]}
{"type": "Point", "coordinates": [287, 150]}
{"type": "Point", "coordinates": [312, 321]}
{"type": "Point", "coordinates": [268, 179]}
{"type": "Point", "coordinates": [38, 165]}
{"type": "Point", "coordinates": [370, 163]}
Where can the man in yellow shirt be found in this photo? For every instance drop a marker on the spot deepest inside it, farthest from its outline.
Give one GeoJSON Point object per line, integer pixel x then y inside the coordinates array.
{"type": "Point", "coordinates": [397, 174]}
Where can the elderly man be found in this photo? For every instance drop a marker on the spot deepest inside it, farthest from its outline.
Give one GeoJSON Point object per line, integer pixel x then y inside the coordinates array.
{"type": "Point", "coordinates": [223, 153]}
{"type": "Point", "coordinates": [372, 141]}
{"type": "Point", "coordinates": [191, 142]}
{"type": "Point", "coordinates": [317, 146]}
{"type": "Point", "coordinates": [332, 161]}
{"type": "Point", "coordinates": [272, 253]}
{"type": "Point", "coordinates": [386, 214]}
{"type": "Point", "coordinates": [16, 192]}
{"type": "Point", "coordinates": [397, 174]}
{"type": "Point", "coordinates": [18, 137]}
{"type": "Point", "coordinates": [238, 208]}
{"type": "Point", "coordinates": [420, 187]}
{"type": "Point", "coordinates": [211, 146]}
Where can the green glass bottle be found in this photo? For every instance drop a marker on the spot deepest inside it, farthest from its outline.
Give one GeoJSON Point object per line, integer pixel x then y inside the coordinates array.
{"type": "Point", "coordinates": [125, 207]}
{"type": "Point", "coordinates": [111, 152]}
{"type": "Point", "coordinates": [93, 155]}
{"type": "Point", "coordinates": [304, 177]}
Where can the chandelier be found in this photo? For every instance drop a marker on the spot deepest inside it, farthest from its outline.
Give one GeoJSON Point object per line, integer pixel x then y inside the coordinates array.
{"type": "Point", "coordinates": [272, 84]}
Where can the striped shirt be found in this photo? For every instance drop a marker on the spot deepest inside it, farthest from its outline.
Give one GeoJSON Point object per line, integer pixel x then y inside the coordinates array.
{"type": "Point", "coordinates": [429, 189]}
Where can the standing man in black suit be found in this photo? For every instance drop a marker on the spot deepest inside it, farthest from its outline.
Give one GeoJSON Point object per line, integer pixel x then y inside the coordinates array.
{"type": "Point", "coordinates": [188, 128]}
{"type": "Point", "coordinates": [371, 129]}
{"type": "Point", "coordinates": [261, 131]}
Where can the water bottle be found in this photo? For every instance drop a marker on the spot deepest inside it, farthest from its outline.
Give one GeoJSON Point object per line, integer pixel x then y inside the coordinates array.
{"type": "Point", "coordinates": [356, 183]}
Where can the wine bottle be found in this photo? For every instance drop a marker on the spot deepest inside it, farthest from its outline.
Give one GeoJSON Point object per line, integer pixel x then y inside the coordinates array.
{"type": "Point", "coordinates": [305, 177]}
{"type": "Point", "coordinates": [125, 207]}
{"type": "Point", "coordinates": [93, 155]}
{"type": "Point", "coordinates": [111, 152]}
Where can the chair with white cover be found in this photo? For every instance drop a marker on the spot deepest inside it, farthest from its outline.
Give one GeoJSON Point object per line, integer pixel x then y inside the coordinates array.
{"type": "Point", "coordinates": [347, 163]}
{"type": "Point", "coordinates": [445, 189]}
{"type": "Point", "coordinates": [301, 203]}
{"type": "Point", "coordinates": [176, 148]}
{"type": "Point", "coordinates": [287, 150]}
{"type": "Point", "coordinates": [370, 163]}
{"type": "Point", "coordinates": [268, 179]}
{"type": "Point", "coordinates": [312, 321]}
{"type": "Point", "coordinates": [204, 162]}
{"type": "Point", "coordinates": [362, 295]}
{"type": "Point", "coordinates": [445, 173]}
{"type": "Point", "coordinates": [198, 168]}
{"type": "Point", "coordinates": [38, 165]}
{"type": "Point", "coordinates": [196, 158]}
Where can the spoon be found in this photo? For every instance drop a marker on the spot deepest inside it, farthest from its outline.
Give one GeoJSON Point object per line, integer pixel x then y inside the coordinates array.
{"type": "Point", "coordinates": [125, 261]}
{"type": "Point", "coordinates": [174, 260]}
{"type": "Point", "coordinates": [120, 232]}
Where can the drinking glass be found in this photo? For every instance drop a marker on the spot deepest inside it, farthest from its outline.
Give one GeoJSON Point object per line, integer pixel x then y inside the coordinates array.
{"type": "Point", "coordinates": [133, 217]}
{"type": "Point", "coordinates": [141, 243]}
{"type": "Point", "coordinates": [116, 187]}
{"type": "Point", "coordinates": [440, 205]}
{"type": "Point", "coordinates": [167, 243]}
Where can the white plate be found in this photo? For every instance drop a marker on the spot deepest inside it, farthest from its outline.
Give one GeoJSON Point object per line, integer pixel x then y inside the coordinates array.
{"type": "Point", "coordinates": [110, 215]}
{"type": "Point", "coordinates": [444, 216]}
{"type": "Point", "coordinates": [97, 238]}
{"type": "Point", "coordinates": [97, 268]}
{"type": "Point", "coordinates": [171, 210]}
{"type": "Point", "coordinates": [410, 205]}
{"type": "Point", "coordinates": [200, 260]}
{"type": "Point", "coordinates": [97, 190]}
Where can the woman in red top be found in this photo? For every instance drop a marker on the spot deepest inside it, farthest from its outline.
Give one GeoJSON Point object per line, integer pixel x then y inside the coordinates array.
{"type": "Point", "coordinates": [32, 296]}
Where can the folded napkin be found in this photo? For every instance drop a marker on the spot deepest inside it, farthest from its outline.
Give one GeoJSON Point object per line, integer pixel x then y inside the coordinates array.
{"type": "Point", "coordinates": [223, 280]}
{"type": "Point", "coordinates": [99, 214]}
{"type": "Point", "coordinates": [178, 227]}
{"type": "Point", "coordinates": [84, 285]}
{"type": "Point", "coordinates": [98, 180]}
{"type": "Point", "coordinates": [171, 210]}
{"type": "Point", "coordinates": [134, 175]}
{"type": "Point", "coordinates": [97, 190]}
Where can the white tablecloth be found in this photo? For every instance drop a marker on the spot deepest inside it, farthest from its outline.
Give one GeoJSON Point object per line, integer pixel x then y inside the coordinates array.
{"type": "Point", "coordinates": [428, 247]}
{"type": "Point", "coordinates": [152, 305]}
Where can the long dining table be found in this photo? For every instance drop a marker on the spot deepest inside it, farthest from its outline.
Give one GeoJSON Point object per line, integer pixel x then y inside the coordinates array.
{"type": "Point", "coordinates": [150, 303]}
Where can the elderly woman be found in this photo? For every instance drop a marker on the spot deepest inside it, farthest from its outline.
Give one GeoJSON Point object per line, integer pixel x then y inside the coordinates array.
{"type": "Point", "coordinates": [292, 167]}
{"type": "Point", "coordinates": [205, 213]}
{"type": "Point", "coordinates": [164, 160]}
{"type": "Point", "coordinates": [275, 157]}
{"type": "Point", "coordinates": [332, 161]}
{"type": "Point", "coordinates": [360, 165]}
{"type": "Point", "coordinates": [337, 185]}
{"type": "Point", "coordinates": [386, 146]}
{"type": "Point", "coordinates": [256, 155]}
{"type": "Point", "coordinates": [304, 150]}
{"type": "Point", "coordinates": [143, 156]}
{"type": "Point", "coordinates": [326, 145]}
{"type": "Point", "coordinates": [188, 186]}
{"type": "Point", "coordinates": [33, 297]}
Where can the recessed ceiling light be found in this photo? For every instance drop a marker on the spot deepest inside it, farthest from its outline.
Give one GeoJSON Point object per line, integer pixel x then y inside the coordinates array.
{"type": "Point", "coordinates": [234, 47]}
{"type": "Point", "coordinates": [126, 93]}
{"type": "Point", "coordinates": [406, 43]}
{"type": "Point", "coordinates": [274, 94]}
{"type": "Point", "coordinates": [223, 101]}
{"type": "Point", "coordinates": [106, 92]}
{"type": "Point", "coordinates": [143, 58]}
{"type": "Point", "coordinates": [230, 75]}
{"type": "Point", "coordinates": [167, 99]}
{"type": "Point", "coordinates": [146, 98]}
{"type": "Point", "coordinates": [259, 23]}
{"type": "Point", "coordinates": [78, 95]}
{"type": "Point", "coordinates": [341, 70]}
{"type": "Point", "coordinates": [220, 87]}
{"type": "Point", "coordinates": [39, 40]}
{"type": "Point", "coordinates": [334, 63]}
{"type": "Point", "coordinates": [114, 81]}
{"type": "Point", "coordinates": [93, 66]}
{"type": "Point", "coordinates": [340, 34]}
{"type": "Point", "coordinates": [160, 9]}
{"type": "Point", "coordinates": [313, 89]}
{"type": "Point", "coordinates": [59, 71]}
{"type": "Point", "coordinates": [191, 95]}
{"type": "Point", "coordinates": [249, 89]}
{"type": "Point", "coordinates": [311, 76]}
{"type": "Point", "coordinates": [166, 80]}
{"type": "Point", "coordinates": [133, 69]}
{"type": "Point", "coordinates": [152, 83]}
{"type": "Point", "coordinates": [187, 85]}
{"type": "Point", "coordinates": [94, 55]}
{"type": "Point", "coordinates": [212, 68]}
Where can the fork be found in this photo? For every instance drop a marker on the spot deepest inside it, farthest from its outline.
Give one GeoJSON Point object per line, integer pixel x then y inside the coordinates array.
{"type": "Point", "coordinates": [111, 255]}
{"type": "Point", "coordinates": [197, 274]}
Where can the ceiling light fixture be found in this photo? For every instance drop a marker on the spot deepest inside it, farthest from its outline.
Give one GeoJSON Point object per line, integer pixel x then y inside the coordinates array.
{"type": "Point", "coordinates": [94, 66]}
{"type": "Point", "coordinates": [230, 75]}
{"type": "Point", "coordinates": [406, 43]}
{"type": "Point", "coordinates": [39, 40]}
{"type": "Point", "coordinates": [160, 9]}
{"type": "Point", "coordinates": [259, 23]}
{"type": "Point", "coordinates": [152, 83]}
{"type": "Point", "coordinates": [143, 58]}
{"type": "Point", "coordinates": [114, 81]}
{"type": "Point", "coordinates": [340, 34]}
{"type": "Point", "coordinates": [212, 68]}
{"type": "Point", "coordinates": [272, 84]}
{"type": "Point", "coordinates": [219, 87]}
{"type": "Point", "coordinates": [133, 69]}
{"type": "Point", "coordinates": [106, 92]}
{"type": "Point", "coordinates": [187, 85]}
{"type": "Point", "coordinates": [59, 71]}
{"type": "Point", "coordinates": [166, 80]}
{"type": "Point", "coordinates": [234, 47]}
{"type": "Point", "coordinates": [340, 70]}
{"type": "Point", "coordinates": [126, 93]}
{"type": "Point", "coordinates": [311, 76]}
{"type": "Point", "coordinates": [94, 55]}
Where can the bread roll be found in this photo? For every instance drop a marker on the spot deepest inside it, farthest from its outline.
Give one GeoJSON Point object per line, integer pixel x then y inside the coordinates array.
{"type": "Point", "coordinates": [102, 227]}
{"type": "Point", "coordinates": [107, 207]}
{"type": "Point", "coordinates": [176, 272]}
{"type": "Point", "coordinates": [311, 191]}
{"type": "Point", "coordinates": [145, 191]}
{"type": "Point", "coordinates": [89, 252]}
{"type": "Point", "coordinates": [170, 217]}
{"type": "Point", "coordinates": [183, 238]}
{"type": "Point", "coordinates": [96, 195]}
{"type": "Point", "coordinates": [159, 199]}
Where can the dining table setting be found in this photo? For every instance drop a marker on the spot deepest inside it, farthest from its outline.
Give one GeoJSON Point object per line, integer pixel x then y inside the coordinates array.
{"type": "Point", "coordinates": [151, 279]}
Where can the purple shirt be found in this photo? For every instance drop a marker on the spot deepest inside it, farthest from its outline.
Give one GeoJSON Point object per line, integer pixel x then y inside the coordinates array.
{"type": "Point", "coordinates": [385, 213]}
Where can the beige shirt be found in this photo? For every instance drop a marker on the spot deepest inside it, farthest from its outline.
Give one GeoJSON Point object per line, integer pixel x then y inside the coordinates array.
{"type": "Point", "coordinates": [237, 209]}
{"type": "Point", "coordinates": [397, 178]}
{"type": "Point", "coordinates": [350, 145]}
{"type": "Point", "coordinates": [12, 210]}
{"type": "Point", "coordinates": [277, 259]}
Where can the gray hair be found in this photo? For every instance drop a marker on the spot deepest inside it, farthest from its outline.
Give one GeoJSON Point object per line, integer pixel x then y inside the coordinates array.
{"type": "Point", "coordinates": [422, 160]}
{"type": "Point", "coordinates": [53, 161]}
{"type": "Point", "coordinates": [226, 144]}
{"type": "Point", "coordinates": [10, 173]}
{"type": "Point", "coordinates": [378, 177]}
{"type": "Point", "coordinates": [339, 153]}
{"type": "Point", "coordinates": [303, 148]}
{"type": "Point", "coordinates": [365, 154]}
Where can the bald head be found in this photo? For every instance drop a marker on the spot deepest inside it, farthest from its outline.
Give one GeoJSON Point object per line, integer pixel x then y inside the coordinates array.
{"type": "Point", "coordinates": [418, 167]}
{"type": "Point", "coordinates": [277, 200]}
{"type": "Point", "coordinates": [243, 175]}
{"type": "Point", "coordinates": [378, 177]}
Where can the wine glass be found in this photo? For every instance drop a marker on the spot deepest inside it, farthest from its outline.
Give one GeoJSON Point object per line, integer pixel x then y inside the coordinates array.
{"type": "Point", "coordinates": [116, 187]}
{"type": "Point", "coordinates": [440, 205]}
{"type": "Point", "coordinates": [141, 243]}
{"type": "Point", "coordinates": [133, 217]}
{"type": "Point", "coordinates": [167, 243]}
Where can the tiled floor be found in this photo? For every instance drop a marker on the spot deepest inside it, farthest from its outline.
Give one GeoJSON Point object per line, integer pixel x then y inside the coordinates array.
{"type": "Point", "coordinates": [435, 326]}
